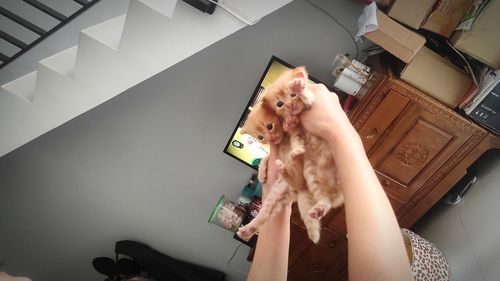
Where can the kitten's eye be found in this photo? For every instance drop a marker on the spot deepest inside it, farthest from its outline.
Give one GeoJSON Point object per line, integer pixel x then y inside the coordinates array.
{"type": "Point", "coordinates": [293, 95]}
{"type": "Point", "coordinates": [269, 126]}
{"type": "Point", "coordinates": [280, 104]}
{"type": "Point", "coordinates": [260, 137]}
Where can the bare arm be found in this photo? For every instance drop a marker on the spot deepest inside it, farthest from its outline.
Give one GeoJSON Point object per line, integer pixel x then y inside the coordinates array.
{"type": "Point", "coordinates": [376, 248]}
{"type": "Point", "coordinates": [270, 261]}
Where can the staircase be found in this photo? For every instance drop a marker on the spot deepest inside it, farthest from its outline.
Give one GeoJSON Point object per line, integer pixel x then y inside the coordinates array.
{"type": "Point", "coordinates": [110, 58]}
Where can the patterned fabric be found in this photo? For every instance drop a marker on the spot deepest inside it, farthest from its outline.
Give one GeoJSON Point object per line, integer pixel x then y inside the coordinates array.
{"type": "Point", "coordinates": [428, 263]}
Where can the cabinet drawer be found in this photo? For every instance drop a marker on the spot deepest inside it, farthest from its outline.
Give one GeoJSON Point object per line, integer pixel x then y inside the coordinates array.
{"type": "Point", "coordinates": [338, 224]}
{"type": "Point", "coordinates": [343, 276]}
{"type": "Point", "coordinates": [394, 191]}
{"type": "Point", "coordinates": [336, 271]}
{"type": "Point", "coordinates": [295, 217]}
{"type": "Point", "coordinates": [384, 115]}
{"type": "Point", "coordinates": [296, 233]}
{"type": "Point", "coordinates": [396, 204]}
{"type": "Point", "coordinates": [293, 277]}
{"type": "Point", "coordinates": [316, 260]}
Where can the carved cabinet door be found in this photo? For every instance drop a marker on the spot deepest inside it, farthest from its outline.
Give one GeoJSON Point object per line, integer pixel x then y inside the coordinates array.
{"type": "Point", "coordinates": [421, 142]}
{"type": "Point", "coordinates": [323, 261]}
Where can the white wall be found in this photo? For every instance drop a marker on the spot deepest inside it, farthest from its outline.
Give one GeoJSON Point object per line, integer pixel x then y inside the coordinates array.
{"type": "Point", "coordinates": [148, 164]}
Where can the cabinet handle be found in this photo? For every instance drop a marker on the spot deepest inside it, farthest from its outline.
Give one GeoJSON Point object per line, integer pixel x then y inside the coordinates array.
{"type": "Point", "coordinates": [333, 242]}
{"type": "Point", "coordinates": [370, 133]}
{"type": "Point", "coordinates": [386, 183]}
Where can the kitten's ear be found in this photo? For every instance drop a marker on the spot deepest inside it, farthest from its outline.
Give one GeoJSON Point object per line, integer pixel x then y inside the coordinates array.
{"type": "Point", "coordinates": [268, 107]}
{"type": "Point", "coordinates": [243, 130]}
{"type": "Point", "coordinates": [266, 103]}
{"type": "Point", "coordinates": [300, 72]}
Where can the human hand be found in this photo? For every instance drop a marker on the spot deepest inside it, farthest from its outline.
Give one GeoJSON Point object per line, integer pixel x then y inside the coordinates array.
{"type": "Point", "coordinates": [326, 114]}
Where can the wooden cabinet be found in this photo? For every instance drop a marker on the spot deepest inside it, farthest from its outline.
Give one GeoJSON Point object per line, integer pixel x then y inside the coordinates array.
{"type": "Point", "coordinates": [419, 148]}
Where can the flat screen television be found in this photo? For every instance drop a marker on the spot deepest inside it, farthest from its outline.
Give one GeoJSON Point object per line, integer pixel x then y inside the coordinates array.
{"type": "Point", "coordinates": [245, 148]}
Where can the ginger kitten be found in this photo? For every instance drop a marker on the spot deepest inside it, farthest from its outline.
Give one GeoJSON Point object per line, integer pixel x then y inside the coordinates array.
{"type": "Point", "coordinates": [288, 96]}
{"type": "Point", "coordinates": [263, 124]}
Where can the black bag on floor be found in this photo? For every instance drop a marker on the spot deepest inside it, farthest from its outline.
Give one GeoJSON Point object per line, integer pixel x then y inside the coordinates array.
{"type": "Point", "coordinates": [163, 267]}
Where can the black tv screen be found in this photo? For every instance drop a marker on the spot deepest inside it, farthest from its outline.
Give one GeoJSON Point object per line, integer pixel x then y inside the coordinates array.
{"type": "Point", "coordinates": [245, 148]}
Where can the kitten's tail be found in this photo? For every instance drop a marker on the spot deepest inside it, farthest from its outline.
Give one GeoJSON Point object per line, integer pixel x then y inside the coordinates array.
{"type": "Point", "coordinates": [313, 226]}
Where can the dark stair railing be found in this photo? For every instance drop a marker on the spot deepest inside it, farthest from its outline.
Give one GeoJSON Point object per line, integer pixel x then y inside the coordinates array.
{"type": "Point", "coordinates": [42, 33]}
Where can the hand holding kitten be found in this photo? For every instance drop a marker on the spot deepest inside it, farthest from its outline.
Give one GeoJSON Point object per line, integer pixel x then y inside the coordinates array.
{"type": "Point", "coordinates": [326, 116]}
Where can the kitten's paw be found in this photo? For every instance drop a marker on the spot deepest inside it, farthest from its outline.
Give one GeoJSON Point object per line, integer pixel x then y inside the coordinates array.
{"type": "Point", "coordinates": [307, 103]}
{"type": "Point", "coordinates": [297, 85]}
{"type": "Point", "coordinates": [297, 152]}
{"type": "Point", "coordinates": [280, 165]}
{"type": "Point", "coordinates": [307, 98]}
{"type": "Point", "coordinates": [318, 211]}
{"type": "Point", "coordinates": [246, 232]}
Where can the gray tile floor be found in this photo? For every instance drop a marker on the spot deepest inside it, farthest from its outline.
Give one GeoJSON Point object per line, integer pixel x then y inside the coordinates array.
{"type": "Point", "coordinates": [469, 233]}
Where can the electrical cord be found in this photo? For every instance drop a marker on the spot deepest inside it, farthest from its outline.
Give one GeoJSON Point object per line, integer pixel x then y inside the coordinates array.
{"type": "Point", "coordinates": [231, 258]}
{"type": "Point", "coordinates": [336, 21]}
{"type": "Point", "coordinates": [241, 18]}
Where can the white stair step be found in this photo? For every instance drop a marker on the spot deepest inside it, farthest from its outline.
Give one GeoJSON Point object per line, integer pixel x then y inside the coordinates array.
{"type": "Point", "coordinates": [62, 62]}
{"type": "Point", "coordinates": [23, 87]}
{"type": "Point", "coordinates": [17, 119]}
{"type": "Point", "coordinates": [110, 58]}
{"type": "Point", "coordinates": [109, 32]}
{"type": "Point", "coordinates": [157, 42]}
{"type": "Point", "coordinates": [165, 7]}
{"type": "Point", "coordinates": [107, 71]}
{"type": "Point", "coordinates": [50, 109]}
{"type": "Point", "coordinates": [98, 62]}
{"type": "Point", "coordinates": [53, 102]}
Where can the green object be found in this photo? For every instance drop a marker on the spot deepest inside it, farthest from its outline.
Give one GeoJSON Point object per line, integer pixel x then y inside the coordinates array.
{"type": "Point", "coordinates": [258, 189]}
{"type": "Point", "coordinates": [256, 163]}
{"type": "Point", "coordinates": [248, 191]}
{"type": "Point", "coordinates": [216, 209]}
{"type": "Point", "coordinates": [227, 214]}
{"type": "Point", "coordinates": [253, 188]}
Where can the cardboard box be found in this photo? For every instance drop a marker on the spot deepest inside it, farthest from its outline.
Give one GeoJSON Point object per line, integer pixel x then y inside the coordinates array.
{"type": "Point", "coordinates": [411, 12]}
{"type": "Point", "coordinates": [446, 16]}
{"type": "Point", "coordinates": [395, 38]}
{"type": "Point", "coordinates": [438, 77]}
{"type": "Point", "coordinates": [482, 41]}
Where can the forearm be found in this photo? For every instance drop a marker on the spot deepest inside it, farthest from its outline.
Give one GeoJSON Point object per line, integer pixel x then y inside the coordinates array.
{"type": "Point", "coordinates": [376, 249]}
{"type": "Point", "coordinates": [271, 255]}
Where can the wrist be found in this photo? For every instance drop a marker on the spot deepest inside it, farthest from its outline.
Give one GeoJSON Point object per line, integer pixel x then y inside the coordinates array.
{"type": "Point", "coordinates": [341, 132]}
{"type": "Point", "coordinates": [338, 126]}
